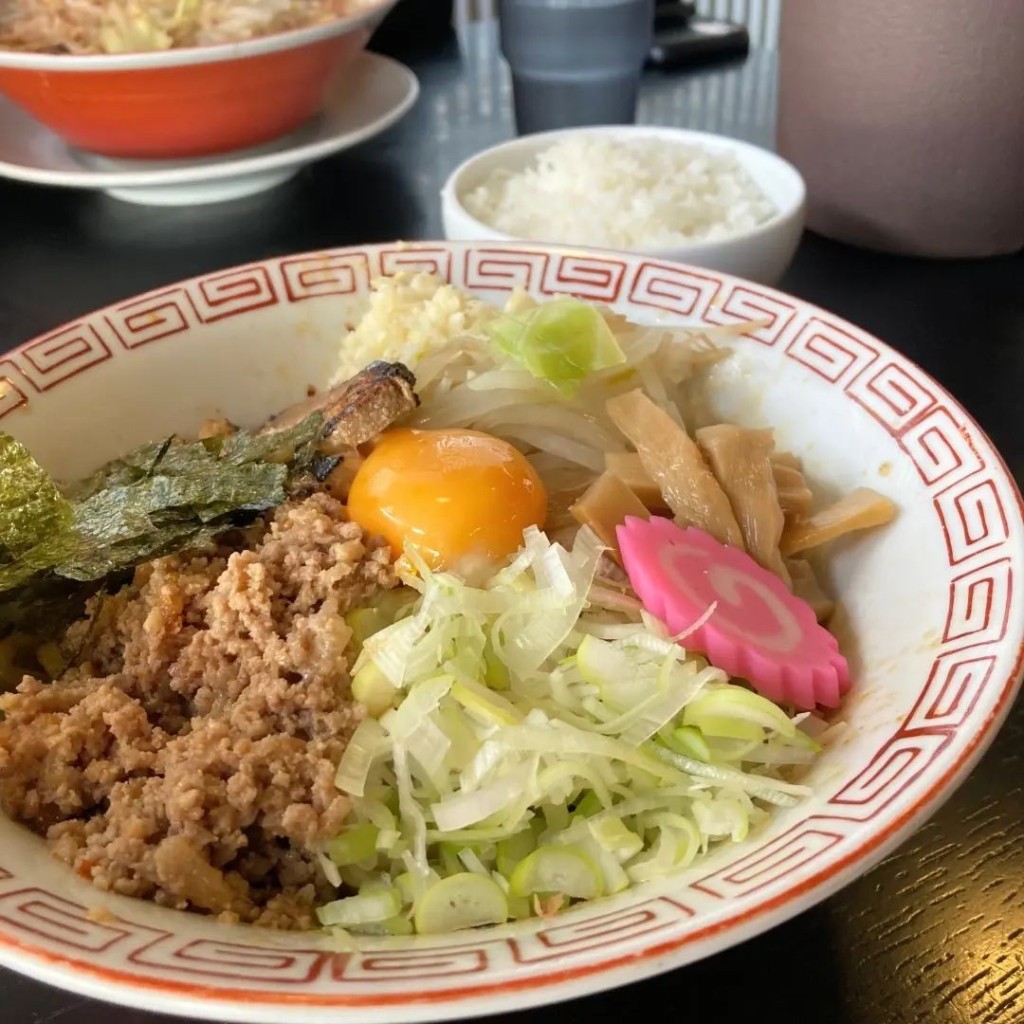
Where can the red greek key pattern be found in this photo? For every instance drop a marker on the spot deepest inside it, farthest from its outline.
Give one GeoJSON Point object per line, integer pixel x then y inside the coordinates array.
{"type": "Point", "coordinates": [979, 604]}
{"type": "Point", "coordinates": [744, 302]}
{"type": "Point", "coordinates": [421, 259]}
{"type": "Point", "coordinates": [152, 318]}
{"type": "Point", "coordinates": [832, 352]}
{"type": "Point", "coordinates": [231, 961]}
{"type": "Point", "coordinates": [973, 519]}
{"type": "Point", "coordinates": [44, 915]}
{"type": "Point", "coordinates": [412, 965]}
{"type": "Point", "coordinates": [889, 773]}
{"type": "Point", "coordinates": [577, 936]}
{"type": "Point", "coordinates": [940, 448]}
{"type": "Point", "coordinates": [487, 269]}
{"type": "Point", "coordinates": [58, 357]}
{"type": "Point", "coordinates": [771, 863]}
{"type": "Point", "coordinates": [233, 293]}
{"type": "Point", "coordinates": [586, 277]}
{"type": "Point", "coordinates": [956, 683]}
{"type": "Point", "coordinates": [892, 395]}
{"type": "Point", "coordinates": [687, 293]}
{"type": "Point", "coordinates": [315, 277]}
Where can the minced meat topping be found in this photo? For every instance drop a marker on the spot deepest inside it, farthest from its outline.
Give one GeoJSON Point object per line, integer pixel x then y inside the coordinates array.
{"type": "Point", "coordinates": [189, 757]}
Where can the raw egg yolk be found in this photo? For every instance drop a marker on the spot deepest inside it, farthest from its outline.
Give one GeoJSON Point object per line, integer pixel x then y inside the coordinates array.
{"type": "Point", "coordinates": [460, 498]}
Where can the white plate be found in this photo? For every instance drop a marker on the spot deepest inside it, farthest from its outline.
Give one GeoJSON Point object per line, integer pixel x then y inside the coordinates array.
{"type": "Point", "coordinates": [373, 96]}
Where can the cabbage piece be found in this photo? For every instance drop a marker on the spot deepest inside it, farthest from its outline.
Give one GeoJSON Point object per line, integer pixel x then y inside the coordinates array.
{"type": "Point", "coordinates": [561, 341]}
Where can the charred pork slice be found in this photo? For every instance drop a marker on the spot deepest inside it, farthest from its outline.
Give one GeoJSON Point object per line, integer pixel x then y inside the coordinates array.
{"type": "Point", "coordinates": [357, 410]}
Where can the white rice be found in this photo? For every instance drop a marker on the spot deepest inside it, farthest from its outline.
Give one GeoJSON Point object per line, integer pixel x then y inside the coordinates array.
{"type": "Point", "coordinates": [638, 194]}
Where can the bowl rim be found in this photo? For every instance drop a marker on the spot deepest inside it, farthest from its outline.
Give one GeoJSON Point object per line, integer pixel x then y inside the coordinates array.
{"type": "Point", "coordinates": [208, 1001]}
{"type": "Point", "coordinates": [451, 190]}
{"type": "Point", "coordinates": [186, 56]}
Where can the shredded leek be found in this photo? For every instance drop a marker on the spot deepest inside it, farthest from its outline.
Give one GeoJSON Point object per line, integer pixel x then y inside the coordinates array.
{"type": "Point", "coordinates": [535, 747]}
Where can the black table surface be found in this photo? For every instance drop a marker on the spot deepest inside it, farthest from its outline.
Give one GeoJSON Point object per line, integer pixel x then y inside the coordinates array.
{"type": "Point", "coordinates": [936, 932]}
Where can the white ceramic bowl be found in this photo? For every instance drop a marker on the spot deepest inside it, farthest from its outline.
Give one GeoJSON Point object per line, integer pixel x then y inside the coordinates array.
{"type": "Point", "coordinates": [933, 627]}
{"type": "Point", "coordinates": [761, 254]}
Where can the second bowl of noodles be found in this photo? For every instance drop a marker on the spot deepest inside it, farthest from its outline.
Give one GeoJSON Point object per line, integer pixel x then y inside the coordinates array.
{"type": "Point", "coordinates": [170, 80]}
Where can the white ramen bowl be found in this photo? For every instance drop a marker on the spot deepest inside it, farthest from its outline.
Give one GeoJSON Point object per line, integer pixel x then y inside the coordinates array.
{"type": "Point", "coordinates": [933, 624]}
{"type": "Point", "coordinates": [761, 253]}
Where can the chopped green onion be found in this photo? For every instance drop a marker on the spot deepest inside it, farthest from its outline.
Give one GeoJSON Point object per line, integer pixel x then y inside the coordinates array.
{"type": "Point", "coordinates": [373, 689]}
{"type": "Point", "coordinates": [689, 741]}
{"type": "Point", "coordinates": [461, 901]}
{"type": "Point", "coordinates": [562, 870]}
{"type": "Point", "coordinates": [397, 927]}
{"type": "Point", "coordinates": [367, 743]}
{"type": "Point", "coordinates": [614, 837]}
{"type": "Point", "coordinates": [513, 850]}
{"type": "Point", "coordinates": [353, 845]}
{"type": "Point", "coordinates": [364, 908]}
{"type": "Point", "coordinates": [727, 707]}
{"type": "Point", "coordinates": [464, 809]}
{"type": "Point", "coordinates": [364, 622]}
{"type": "Point", "coordinates": [491, 708]}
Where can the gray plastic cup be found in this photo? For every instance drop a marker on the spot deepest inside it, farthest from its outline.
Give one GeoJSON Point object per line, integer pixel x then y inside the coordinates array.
{"type": "Point", "coordinates": [575, 62]}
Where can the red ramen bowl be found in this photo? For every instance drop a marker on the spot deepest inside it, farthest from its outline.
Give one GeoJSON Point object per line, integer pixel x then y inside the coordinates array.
{"type": "Point", "coordinates": [190, 102]}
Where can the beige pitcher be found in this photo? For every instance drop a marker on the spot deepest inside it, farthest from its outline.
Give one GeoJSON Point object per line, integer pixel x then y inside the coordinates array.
{"type": "Point", "coordinates": [906, 117]}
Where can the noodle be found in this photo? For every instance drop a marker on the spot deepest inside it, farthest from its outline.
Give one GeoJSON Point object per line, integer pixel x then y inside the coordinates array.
{"type": "Point", "coordinates": [124, 26]}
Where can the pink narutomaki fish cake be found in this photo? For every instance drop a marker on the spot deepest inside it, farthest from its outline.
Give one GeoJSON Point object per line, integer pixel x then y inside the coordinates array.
{"type": "Point", "coordinates": [758, 631]}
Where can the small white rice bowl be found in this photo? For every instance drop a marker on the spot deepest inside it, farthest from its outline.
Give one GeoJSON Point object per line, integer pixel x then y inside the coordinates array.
{"type": "Point", "coordinates": [664, 192]}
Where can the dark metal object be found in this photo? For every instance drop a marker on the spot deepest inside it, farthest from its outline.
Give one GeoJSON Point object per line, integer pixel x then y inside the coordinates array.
{"type": "Point", "coordinates": [701, 41]}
